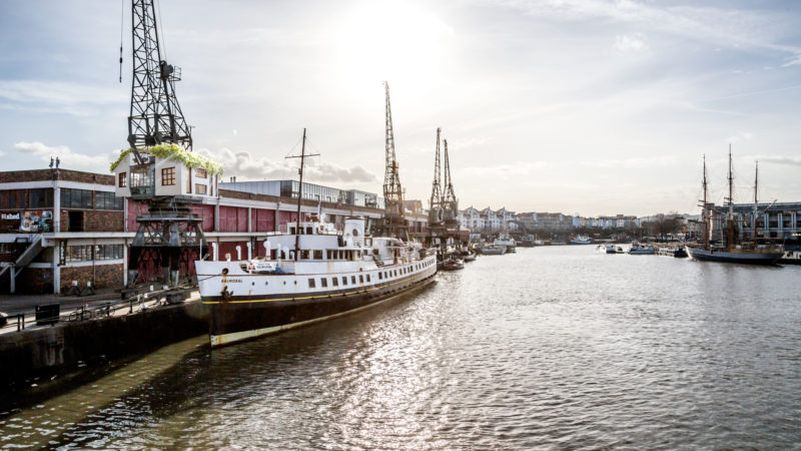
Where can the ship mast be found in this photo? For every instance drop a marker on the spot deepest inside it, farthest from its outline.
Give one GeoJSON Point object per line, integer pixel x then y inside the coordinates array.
{"type": "Point", "coordinates": [756, 202]}
{"type": "Point", "coordinates": [730, 232]}
{"type": "Point", "coordinates": [302, 157]}
{"type": "Point", "coordinates": [704, 212]}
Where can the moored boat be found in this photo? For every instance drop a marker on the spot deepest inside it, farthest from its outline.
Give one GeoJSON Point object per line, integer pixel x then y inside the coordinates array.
{"type": "Point", "coordinates": [506, 241]}
{"type": "Point", "coordinates": [731, 250]}
{"type": "Point", "coordinates": [641, 249]}
{"type": "Point", "coordinates": [309, 274]}
{"type": "Point", "coordinates": [581, 239]}
{"type": "Point", "coordinates": [493, 249]}
{"type": "Point", "coordinates": [676, 252]}
{"type": "Point", "coordinates": [452, 263]}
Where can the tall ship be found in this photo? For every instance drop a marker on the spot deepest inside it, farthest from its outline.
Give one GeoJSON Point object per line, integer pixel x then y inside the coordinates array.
{"type": "Point", "coordinates": [732, 249]}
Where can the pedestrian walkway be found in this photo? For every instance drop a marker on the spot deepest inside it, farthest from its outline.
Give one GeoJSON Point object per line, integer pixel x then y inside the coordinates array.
{"type": "Point", "coordinates": [92, 305]}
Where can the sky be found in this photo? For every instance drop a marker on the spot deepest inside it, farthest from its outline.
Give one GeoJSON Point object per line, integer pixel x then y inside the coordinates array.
{"type": "Point", "coordinates": [580, 106]}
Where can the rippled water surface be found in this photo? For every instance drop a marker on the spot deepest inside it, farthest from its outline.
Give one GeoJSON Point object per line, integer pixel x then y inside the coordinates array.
{"type": "Point", "coordinates": [557, 347]}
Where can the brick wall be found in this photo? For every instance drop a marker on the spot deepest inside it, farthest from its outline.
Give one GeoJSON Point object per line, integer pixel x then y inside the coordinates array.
{"type": "Point", "coordinates": [106, 276]}
{"type": "Point", "coordinates": [103, 221]}
{"type": "Point", "coordinates": [35, 281]}
{"type": "Point", "coordinates": [96, 221]}
{"type": "Point", "coordinates": [56, 174]}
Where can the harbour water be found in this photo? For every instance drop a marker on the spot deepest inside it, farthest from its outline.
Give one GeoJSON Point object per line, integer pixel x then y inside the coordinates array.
{"type": "Point", "coordinates": [552, 347]}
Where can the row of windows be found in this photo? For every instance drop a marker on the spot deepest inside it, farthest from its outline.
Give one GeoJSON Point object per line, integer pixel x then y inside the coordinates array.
{"type": "Point", "coordinates": [32, 198]}
{"type": "Point", "coordinates": [382, 275]}
{"type": "Point", "coordinates": [81, 198]}
{"type": "Point", "coordinates": [91, 252]}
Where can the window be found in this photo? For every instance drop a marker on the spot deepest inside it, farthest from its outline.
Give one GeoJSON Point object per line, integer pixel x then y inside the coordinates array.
{"type": "Point", "coordinates": [200, 172]}
{"type": "Point", "coordinates": [318, 255]}
{"type": "Point", "coordinates": [76, 198]}
{"type": "Point", "coordinates": [168, 176]}
{"type": "Point", "coordinates": [379, 276]}
{"type": "Point", "coordinates": [368, 277]}
{"type": "Point", "coordinates": [353, 280]}
{"type": "Point", "coordinates": [94, 252]}
{"type": "Point", "coordinates": [107, 201]}
{"type": "Point", "coordinates": [324, 282]}
{"type": "Point", "coordinates": [344, 281]}
{"type": "Point", "coordinates": [41, 198]}
{"type": "Point", "coordinates": [122, 180]}
{"type": "Point", "coordinates": [335, 281]}
{"type": "Point", "coordinates": [311, 283]}
{"type": "Point", "coordinates": [201, 189]}
{"type": "Point", "coordinates": [361, 278]}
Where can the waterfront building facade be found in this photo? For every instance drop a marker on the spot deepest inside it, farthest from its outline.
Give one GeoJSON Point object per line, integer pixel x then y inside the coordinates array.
{"type": "Point", "coordinates": [60, 228]}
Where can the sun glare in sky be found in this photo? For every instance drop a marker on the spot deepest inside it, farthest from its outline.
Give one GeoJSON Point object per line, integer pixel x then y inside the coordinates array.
{"type": "Point", "coordinates": [390, 40]}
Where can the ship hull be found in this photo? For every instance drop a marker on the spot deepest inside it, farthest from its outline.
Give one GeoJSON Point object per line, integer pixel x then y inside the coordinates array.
{"type": "Point", "coordinates": [744, 257]}
{"type": "Point", "coordinates": [241, 318]}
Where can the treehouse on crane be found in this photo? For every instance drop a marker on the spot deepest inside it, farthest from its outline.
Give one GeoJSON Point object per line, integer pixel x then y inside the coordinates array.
{"type": "Point", "coordinates": [165, 170]}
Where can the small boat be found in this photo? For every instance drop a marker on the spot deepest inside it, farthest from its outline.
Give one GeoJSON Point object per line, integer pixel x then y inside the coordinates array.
{"type": "Point", "coordinates": [676, 252]}
{"type": "Point", "coordinates": [469, 257]}
{"type": "Point", "coordinates": [452, 263]}
{"type": "Point", "coordinates": [507, 242]}
{"type": "Point", "coordinates": [641, 249]}
{"type": "Point", "coordinates": [581, 239]}
{"type": "Point", "coordinates": [493, 249]}
{"type": "Point", "coordinates": [610, 249]}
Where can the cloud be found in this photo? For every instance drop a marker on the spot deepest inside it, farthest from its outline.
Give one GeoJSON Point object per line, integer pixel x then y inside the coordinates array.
{"type": "Point", "coordinates": [632, 163]}
{"type": "Point", "coordinates": [57, 97]}
{"type": "Point", "coordinates": [631, 43]}
{"type": "Point", "coordinates": [503, 171]}
{"type": "Point", "coordinates": [69, 158]}
{"type": "Point", "coordinates": [787, 161]}
{"type": "Point", "coordinates": [745, 136]}
{"type": "Point", "coordinates": [243, 164]}
{"type": "Point", "coordinates": [726, 27]}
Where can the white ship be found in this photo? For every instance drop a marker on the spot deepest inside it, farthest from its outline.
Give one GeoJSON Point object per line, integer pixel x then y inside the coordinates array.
{"type": "Point", "coordinates": [308, 275]}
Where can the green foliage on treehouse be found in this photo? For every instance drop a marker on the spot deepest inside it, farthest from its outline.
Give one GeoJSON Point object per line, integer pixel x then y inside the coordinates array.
{"type": "Point", "coordinates": [174, 153]}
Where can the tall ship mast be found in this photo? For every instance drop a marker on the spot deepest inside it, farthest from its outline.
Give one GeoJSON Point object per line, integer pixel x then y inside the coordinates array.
{"type": "Point", "coordinates": [731, 250]}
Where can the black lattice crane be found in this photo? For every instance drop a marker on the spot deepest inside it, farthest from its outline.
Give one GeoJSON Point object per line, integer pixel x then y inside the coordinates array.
{"type": "Point", "coordinates": [155, 115]}
{"type": "Point", "coordinates": [435, 203]}
{"type": "Point", "coordinates": [394, 221]}
{"type": "Point", "coordinates": [169, 237]}
{"type": "Point", "coordinates": [450, 205]}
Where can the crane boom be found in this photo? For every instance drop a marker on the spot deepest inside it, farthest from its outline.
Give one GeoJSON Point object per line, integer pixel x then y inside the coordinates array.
{"type": "Point", "coordinates": [155, 115]}
{"type": "Point", "coordinates": [435, 203]}
{"type": "Point", "coordinates": [394, 221]}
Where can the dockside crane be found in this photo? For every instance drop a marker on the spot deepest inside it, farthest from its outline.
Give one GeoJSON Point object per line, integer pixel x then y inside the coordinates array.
{"type": "Point", "coordinates": [435, 203]}
{"type": "Point", "coordinates": [394, 221]}
{"type": "Point", "coordinates": [450, 205]}
{"type": "Point", "coordinates": [169, 236]}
